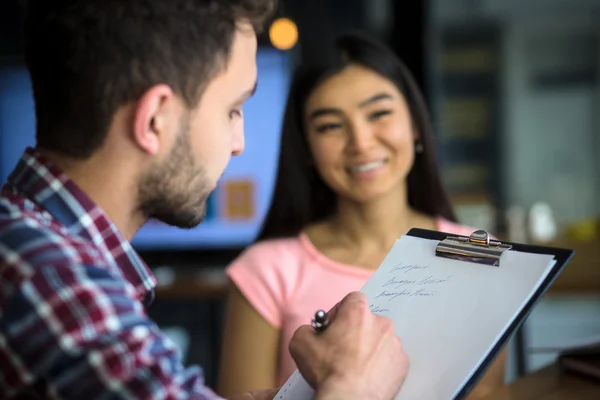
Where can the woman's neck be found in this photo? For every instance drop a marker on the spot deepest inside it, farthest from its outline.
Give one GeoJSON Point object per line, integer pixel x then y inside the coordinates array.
{"type": "Point", "coordinates": [377, 224]}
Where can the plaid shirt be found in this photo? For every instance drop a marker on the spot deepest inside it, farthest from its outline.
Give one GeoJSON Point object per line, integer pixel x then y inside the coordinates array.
{"type": "Point", "coordinates": [72, 300]}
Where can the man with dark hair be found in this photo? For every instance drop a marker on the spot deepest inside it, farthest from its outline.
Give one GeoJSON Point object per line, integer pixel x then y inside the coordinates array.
{"type": "Point", "coordinates": [138, 106]}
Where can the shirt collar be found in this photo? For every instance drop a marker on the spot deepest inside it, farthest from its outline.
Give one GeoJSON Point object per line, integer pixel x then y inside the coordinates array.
{"type": "Point", "coordinates": [51, 189]}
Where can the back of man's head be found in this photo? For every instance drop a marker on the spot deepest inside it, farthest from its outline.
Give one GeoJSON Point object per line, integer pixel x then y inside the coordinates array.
{"type": "Point", "coordinates": [87, 58]}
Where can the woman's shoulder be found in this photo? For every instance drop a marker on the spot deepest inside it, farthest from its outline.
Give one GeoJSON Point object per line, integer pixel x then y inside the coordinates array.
{"type": "Point", "coordinates": [269, 253]}
{"type": "Point", "coordinates": [265, 273]}
{"type": "Point", "coordinates": [274, 247]}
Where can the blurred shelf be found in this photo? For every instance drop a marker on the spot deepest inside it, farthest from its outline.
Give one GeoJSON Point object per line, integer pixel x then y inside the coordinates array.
{"type": "Point", "coordinates": [187, 290]}
{"type": "Point", "coordinates": [550, 383]}
{"type": "Point", "coordinates": [582, 275]}
{"type": "Point", "coordinates": [202, 285]}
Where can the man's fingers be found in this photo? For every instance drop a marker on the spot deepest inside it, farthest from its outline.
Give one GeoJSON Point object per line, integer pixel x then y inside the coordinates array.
{"type": "Point", "coordinates": [302, 341]}
{"type": "Point", "coordinates": [353, 309]}
{"type": "Point", "coordinates": [333, 312]}
{"type": "Point", "coordinates": [347, 302]}
{"type": "Point", "coordinates": [301, 337]}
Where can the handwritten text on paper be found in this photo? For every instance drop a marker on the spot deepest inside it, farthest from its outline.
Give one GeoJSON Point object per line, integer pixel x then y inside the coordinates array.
{"type": "Point", "coordinates": [402, 283]}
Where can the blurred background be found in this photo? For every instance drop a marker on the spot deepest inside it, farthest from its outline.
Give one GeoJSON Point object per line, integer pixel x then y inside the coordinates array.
{"type": "Point", "coordinates": [514, 91]}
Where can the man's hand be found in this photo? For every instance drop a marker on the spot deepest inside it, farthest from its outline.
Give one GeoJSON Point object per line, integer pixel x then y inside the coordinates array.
{"type": "Point", "coordinates": [357, 357]}
{"type": "Point", "coordinates": [268, 394]}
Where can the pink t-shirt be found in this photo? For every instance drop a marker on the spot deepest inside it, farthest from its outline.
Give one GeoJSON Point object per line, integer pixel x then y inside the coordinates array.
{"type": "Point", "coordinates": [287, 280]}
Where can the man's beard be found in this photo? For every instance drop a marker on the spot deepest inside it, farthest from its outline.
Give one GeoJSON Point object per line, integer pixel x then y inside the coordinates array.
{"type": "Point", "coordinates": [175, 192]}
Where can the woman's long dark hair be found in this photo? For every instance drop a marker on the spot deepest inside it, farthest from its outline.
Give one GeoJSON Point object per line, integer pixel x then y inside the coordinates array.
{"type": "Point", "coordinates": [300, 196]}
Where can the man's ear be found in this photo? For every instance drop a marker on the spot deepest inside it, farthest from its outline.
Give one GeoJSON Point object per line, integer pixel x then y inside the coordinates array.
{"type": "Point", "coordinates": [152, 118]}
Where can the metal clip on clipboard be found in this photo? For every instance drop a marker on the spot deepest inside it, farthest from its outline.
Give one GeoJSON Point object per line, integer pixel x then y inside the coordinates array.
{"type": "Point", "coordinates": [476, 248]}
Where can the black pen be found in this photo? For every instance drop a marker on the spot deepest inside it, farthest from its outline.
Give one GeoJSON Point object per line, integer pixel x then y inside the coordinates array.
{"type": "Point", "coordinates": [321, 321]}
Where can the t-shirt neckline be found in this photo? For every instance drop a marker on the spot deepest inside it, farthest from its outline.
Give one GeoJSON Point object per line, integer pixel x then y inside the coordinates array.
{"type": "Point", "coordinates": [325, 261]}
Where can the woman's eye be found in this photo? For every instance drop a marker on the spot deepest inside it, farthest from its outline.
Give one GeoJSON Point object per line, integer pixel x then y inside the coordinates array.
{"type": "Point", "coordinates": [379, 114]}
{"type": "Point", "coordinates": [327, 127]}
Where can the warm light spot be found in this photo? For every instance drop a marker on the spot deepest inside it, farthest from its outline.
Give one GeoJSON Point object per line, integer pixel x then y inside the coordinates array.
{"type": "Point", "coordinates": [283, 33]}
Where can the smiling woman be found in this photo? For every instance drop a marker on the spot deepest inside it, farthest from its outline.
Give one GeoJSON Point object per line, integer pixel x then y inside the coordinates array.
{"type": "Point", "coordinates": [360, 135]}
{"type": "Point", "coordinates": [357, 169]}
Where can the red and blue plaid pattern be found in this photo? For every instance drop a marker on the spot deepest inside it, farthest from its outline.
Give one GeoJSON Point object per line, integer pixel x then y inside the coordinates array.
{"type": "Point", "coordinates": [72, 300]}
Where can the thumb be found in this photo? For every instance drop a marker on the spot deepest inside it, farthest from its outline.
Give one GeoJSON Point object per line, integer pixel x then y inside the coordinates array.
{"type": "Point", "coordinates": [352, 297]}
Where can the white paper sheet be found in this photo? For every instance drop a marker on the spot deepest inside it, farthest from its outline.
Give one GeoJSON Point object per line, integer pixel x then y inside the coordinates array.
{"type": "Point", "coordinates": [448, 313]}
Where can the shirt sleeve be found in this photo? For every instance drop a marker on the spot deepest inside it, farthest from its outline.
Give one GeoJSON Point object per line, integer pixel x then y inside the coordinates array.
{"type": "Point", "coordinates": [257, 274]}
{"type": "Point", "coordinates": [83, 334]}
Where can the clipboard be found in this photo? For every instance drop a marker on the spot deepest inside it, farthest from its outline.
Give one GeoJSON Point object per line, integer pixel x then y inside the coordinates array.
{"type": "Point", "coordinates": [478, 249]}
